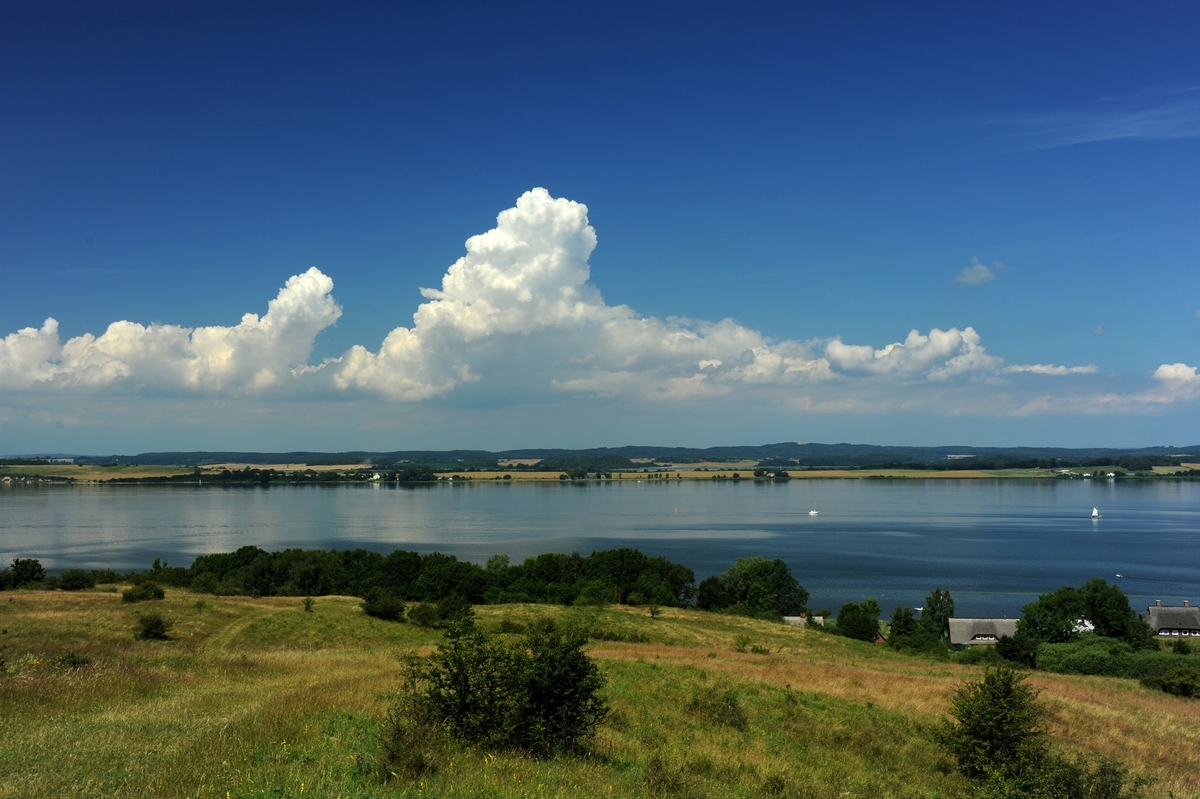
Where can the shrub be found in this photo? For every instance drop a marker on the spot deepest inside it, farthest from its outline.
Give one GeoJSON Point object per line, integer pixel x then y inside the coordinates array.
{"type": "Point", "coordinates": [424, 615]}
{"type": "Point", "coordinates": [979, 655]}
{"type": "Point", "coordinates": [1181, 647]}
{"type": "Point", "coordinates": [152, 627]}
{"type": "Point", "coordinates": [1092, 654]}
{"type": "Point", "coordinates": [76, 580]}
{"type": "Point", "coordinates": [539, 695]}
{"type": "Point", "coordinates": [1181, 679]}
{"type": "Point", "coordinates": [859, 620]}
{"type": "Point", "coordinates": [308, 604]}
{"type": "Point", "coordinates": [382, 605]}
{"type": "Point", "coordinates": [454, 608]}
{"type": "Point", "coordinates": [6, 580]}
{"type": "Point", "coordinates": [144, 592]}
{"type": "Point", "coordinates": [205, 583]}
{"type": "Point", "coordinates": [25, 571]}
{"type": "Point", "coordinates": [995, 726]}
{"type": "Point", "coordinates": [510, 626]}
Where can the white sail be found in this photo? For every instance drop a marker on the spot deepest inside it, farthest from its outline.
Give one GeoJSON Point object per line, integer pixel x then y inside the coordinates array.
{"type": "Point", "coordinates": [1095, 513]}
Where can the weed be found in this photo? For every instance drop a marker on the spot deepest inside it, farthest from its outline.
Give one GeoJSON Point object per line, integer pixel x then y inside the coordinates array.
{"type": "Point", "coordinates": [510, 626]}
{"type": "Point", "coordinates": [719, 707]}
{"type": "Point", "coordinates": [408, 742]}
{"type": "Point", "coordinates": [308, 604]}
{"type": "Point", "coordinates": [759, 650]}
{"type": "Point", "coordinates": [740, 642]}
{"type": "Point", "coordinates": [662, 779]}
{"type": "Point", "coordinates": [71, 660]}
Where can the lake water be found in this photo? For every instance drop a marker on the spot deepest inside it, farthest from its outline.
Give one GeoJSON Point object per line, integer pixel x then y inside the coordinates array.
{"type": "Point", "coordinates": [995, 544]}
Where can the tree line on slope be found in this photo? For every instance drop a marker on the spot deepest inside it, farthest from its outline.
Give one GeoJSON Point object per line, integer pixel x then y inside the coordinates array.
{"type": "Point", "coordinates": [752, 586]}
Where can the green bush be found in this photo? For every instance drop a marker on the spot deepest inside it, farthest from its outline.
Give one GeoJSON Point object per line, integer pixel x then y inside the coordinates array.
{"type": "Point", "coordinates": [979, 656]}
{"type": "Point", "coordinates": [539, 695]}
{"type": "Point", "coordinates": [1109, 657]}
{"type": "Point", "coordinates": [1181, 679]}
{"type": "Point", "coordinates": [454, 608]}
{"type": "Point", "coordinates": [995, 727]}
{"type": "Point", "coordinates": [424, 614]}
{"type": "Point", "coordinates": [152, 627]}
{"type": "Point", "coordinates": [142, 593]}
{"type": "Point", "coordinates": [859, 620]}
{"type": "Point", "coordinates": [76, 580]}
{"type": "Point", "coordinates": [6, 580]}
{"type": "Point", "coordinates": [384, 606]}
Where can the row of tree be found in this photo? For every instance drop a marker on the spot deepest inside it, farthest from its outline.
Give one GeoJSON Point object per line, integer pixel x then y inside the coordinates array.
{"type": "Point", "coordinates": [751, 586]}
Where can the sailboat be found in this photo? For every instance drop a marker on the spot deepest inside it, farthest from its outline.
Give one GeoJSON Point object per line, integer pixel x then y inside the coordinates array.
{"type": "Point", "coordinates": [814, 511]}
{"type": "Point", "coordinates": [1096, 513]}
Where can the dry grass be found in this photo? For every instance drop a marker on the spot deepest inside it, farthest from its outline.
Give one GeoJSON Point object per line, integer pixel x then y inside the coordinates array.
{"type": "Point", "coordinates": [256, 697]}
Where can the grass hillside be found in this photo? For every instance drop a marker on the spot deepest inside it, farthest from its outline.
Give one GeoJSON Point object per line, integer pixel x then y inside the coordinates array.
{"type": "Point", "coordinates": [255, 697]}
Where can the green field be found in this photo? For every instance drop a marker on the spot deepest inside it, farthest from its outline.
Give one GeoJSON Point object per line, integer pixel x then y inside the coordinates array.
{"type": "Point", "coordinates": [255, 697]}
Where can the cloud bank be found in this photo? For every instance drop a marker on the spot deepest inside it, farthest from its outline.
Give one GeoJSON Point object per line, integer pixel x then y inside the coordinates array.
{"type": "Point", "coordinates": [517, 315]}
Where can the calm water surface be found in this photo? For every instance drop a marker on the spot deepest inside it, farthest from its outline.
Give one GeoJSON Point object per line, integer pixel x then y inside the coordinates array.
{"type": "Point", "coordinates": [995, 544]}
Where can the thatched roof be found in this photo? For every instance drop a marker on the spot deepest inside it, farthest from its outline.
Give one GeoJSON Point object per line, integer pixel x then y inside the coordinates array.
{"type": "Point", "coordinates": [1168, 617]}
{"type": "Point", "coordinates": [965, 632]}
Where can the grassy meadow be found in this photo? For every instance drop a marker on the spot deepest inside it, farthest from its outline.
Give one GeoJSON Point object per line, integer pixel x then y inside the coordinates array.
{"type": "Point", "coordinates": [255, 697]}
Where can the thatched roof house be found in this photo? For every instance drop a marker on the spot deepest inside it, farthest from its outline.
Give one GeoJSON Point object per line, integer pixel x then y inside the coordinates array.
{"type": "Point", "coordinates": [976, 632]}
{"type": "Point", "coordinates": [1172, 620]}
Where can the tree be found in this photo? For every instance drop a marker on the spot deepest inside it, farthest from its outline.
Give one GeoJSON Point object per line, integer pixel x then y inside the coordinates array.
{"type": "Point", "coordinates": [539, 695]}
{"type": "Point", "coordinates": [1053, 617]}
{"type": "Point", "coordinates": [859, 620]}
{"type": "Point", "coordinates": [995, 726]}
{"type": "Point", "coordinates": [939, 609]}
{"type": "Point", "coordinates": [757, 586]}
{"type": "Point", "coordinates": [903, 623]}
{"type": "Point", "coordinates": [1108, 609]}
{"type": "Point", "coordinates": [25, 571]}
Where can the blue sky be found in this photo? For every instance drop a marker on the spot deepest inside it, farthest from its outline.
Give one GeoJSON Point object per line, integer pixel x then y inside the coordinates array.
{"type": "Point", "coordinates": [1019, 185]}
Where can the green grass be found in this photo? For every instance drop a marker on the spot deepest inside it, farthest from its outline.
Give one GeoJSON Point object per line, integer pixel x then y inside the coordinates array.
{"type": "Point", "coordinates": [255, 697]}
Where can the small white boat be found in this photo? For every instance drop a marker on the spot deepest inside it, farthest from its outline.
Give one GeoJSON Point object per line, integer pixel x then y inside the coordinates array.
{"type": "Point", "coordinates": [1096, 513]}
{"type": "Point", "coordinates": [814, 512]}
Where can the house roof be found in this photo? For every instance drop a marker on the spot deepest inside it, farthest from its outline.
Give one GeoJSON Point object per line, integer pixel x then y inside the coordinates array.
{"type": "Point", "coordinates": [1167, 617]}
{"type": "Point", "coordinates": [965, 631]}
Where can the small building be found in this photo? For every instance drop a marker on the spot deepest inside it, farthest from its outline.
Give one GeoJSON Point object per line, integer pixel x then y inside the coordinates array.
{"type": "Point", "coordinates": [1172, 621]}
{"type": "Point", "coordinates": [980, 632]}
{"type": "Point", "coordinates": [802, 620]}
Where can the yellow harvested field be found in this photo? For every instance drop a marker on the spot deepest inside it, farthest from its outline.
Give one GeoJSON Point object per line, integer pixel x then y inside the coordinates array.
{"type": "Point", "coordinates": [284, 467]}
{"type": "Point", "coordinates": [94, 474]}
{"type": "Point", "coordinates": [516, 475]}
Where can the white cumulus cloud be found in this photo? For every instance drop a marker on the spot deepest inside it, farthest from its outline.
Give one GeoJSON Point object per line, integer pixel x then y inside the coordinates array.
{"type": "Point", "coordinates": [518, 317]}
{"type": "Point", "coordinates": [257, 353]}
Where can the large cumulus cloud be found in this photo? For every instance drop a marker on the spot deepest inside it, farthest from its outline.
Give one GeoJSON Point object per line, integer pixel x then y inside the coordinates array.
{"type": "Point", "coordinates": [255, 355]}
{"type": "Point", "coordinates": [516, 314]}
